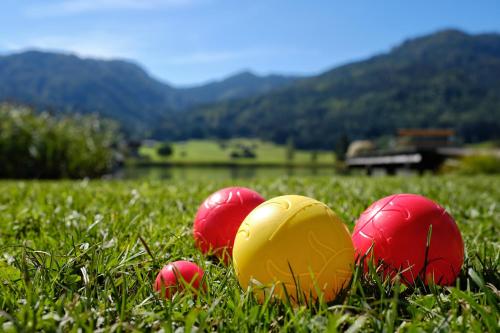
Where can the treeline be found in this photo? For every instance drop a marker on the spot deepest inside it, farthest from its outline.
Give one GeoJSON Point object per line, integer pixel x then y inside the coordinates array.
{"type": "Point", "coordinates": [38, 145]}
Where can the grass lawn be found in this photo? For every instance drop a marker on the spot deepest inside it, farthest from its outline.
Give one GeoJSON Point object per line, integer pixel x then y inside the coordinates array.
{"type": "Point", "coordinates": [216, 152]}
{"type": "Point", "coordinates": [85, 254]}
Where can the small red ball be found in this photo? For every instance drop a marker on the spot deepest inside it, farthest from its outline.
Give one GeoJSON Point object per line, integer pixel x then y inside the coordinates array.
{"type": "Point", "coordinates": [176, 276]}
{"type": "Point", "coordinates": [398, 226]}
{"type": "Point", "coordinates": [219, 217]}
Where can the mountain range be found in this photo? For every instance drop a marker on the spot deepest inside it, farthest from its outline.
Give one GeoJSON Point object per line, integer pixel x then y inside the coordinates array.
{"type": "Point", "coordinates": [116, 89]}
{"type": "Point", "coordinates": [446, 79]}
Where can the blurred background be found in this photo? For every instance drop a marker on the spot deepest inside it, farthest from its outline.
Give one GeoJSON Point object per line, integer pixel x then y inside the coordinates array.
{"type": "Point", "coordinates": [215, 88]}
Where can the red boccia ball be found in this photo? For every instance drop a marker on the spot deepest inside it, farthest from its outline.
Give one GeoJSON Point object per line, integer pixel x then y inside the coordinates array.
{"type": "Point", "coordinates": [219, 217]}
{"type": "Point", "coordinates": [398, 227]}
{"type": "Point", "coordinates": [176, 276]}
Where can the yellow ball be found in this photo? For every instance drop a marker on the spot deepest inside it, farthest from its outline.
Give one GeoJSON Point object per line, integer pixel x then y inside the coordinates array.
{"type": "Point", "coordinates": [295, 234]}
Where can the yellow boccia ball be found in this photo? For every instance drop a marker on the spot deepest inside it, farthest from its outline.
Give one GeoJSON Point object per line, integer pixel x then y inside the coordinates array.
{"type": "Point", "coordinates": [296, 234]}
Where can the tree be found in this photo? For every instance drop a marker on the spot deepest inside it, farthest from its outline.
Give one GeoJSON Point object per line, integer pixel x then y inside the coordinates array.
{"type": "Point", "coordinates": [290, 149]}
{"type": "Point", "coordinates": [165, 149]}
{"type": "Point", "coordinates": [341, 147]}
{"type": "Point", "coordinates": [314, 156]}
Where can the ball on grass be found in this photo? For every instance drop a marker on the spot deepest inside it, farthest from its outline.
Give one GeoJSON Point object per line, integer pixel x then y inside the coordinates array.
{"type": "Point", "coordinates": [399, 227]}
{"type": "Point", "coordinates": [297, 243]}
{"type": "Point", "coordinates": [219, 217]}
{"type": "Point", "coordinates": [177, 276]}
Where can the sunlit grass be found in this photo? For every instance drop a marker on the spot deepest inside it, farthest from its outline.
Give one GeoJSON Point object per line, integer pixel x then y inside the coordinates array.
{"type": "Point", "coordinates": [72, 256]}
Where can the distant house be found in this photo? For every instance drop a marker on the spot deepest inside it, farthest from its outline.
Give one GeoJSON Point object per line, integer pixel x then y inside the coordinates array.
{"type": "Point", "coordinates": [417, 149]}
{"type": "Point", "coordinates": [426, 138]}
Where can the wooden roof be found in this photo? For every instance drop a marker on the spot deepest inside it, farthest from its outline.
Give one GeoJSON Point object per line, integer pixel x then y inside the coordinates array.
{"type": "Point", "coordinates": [426, 132]}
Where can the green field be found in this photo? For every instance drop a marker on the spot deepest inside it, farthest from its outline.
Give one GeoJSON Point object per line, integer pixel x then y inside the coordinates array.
{"type": "Point", "coordinates": [84, 254]}
{"type": "Point", "coordinates": [199, 152]}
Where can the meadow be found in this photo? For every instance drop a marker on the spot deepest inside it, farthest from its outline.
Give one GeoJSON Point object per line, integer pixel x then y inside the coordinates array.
{"type": "Point", "coordinates": [217, 152]}
{"type": "Point", "coordinates": [84, 255]}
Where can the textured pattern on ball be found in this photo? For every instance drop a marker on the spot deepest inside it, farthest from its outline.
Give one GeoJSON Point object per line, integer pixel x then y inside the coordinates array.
{"type": "Point", "coordinates": [398, 227]}
{"type": "Point", "coordinates": [295, 242]}
{"type": "Point", "coordinates": [219, 217]}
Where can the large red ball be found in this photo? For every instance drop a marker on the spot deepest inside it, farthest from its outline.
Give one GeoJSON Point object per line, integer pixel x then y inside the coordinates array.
{"type": "Point", "coordinates": [220, 216]}
{"type": "Point", "coordinates": [398, 227]}
{"type": "Point", "coordinates": [176, 276]}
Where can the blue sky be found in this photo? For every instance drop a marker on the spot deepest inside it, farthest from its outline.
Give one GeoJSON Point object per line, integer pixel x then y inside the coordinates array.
{"type": "Point", "coordinates": [186, 42]}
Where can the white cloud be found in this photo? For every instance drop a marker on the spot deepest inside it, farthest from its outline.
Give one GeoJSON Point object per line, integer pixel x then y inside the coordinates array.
{"type": "Point", "coordinates": [207, 57]}
{"type": "Point", "coordinates": [71, 7]}
{"type": "Point", "coordinates": [97, 45]}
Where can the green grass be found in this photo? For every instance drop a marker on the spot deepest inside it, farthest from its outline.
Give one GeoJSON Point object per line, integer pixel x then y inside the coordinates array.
{"type": "Point", "coordinates": [212, 152]}
{"type": "Point", "coordinates": [85, 254]}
